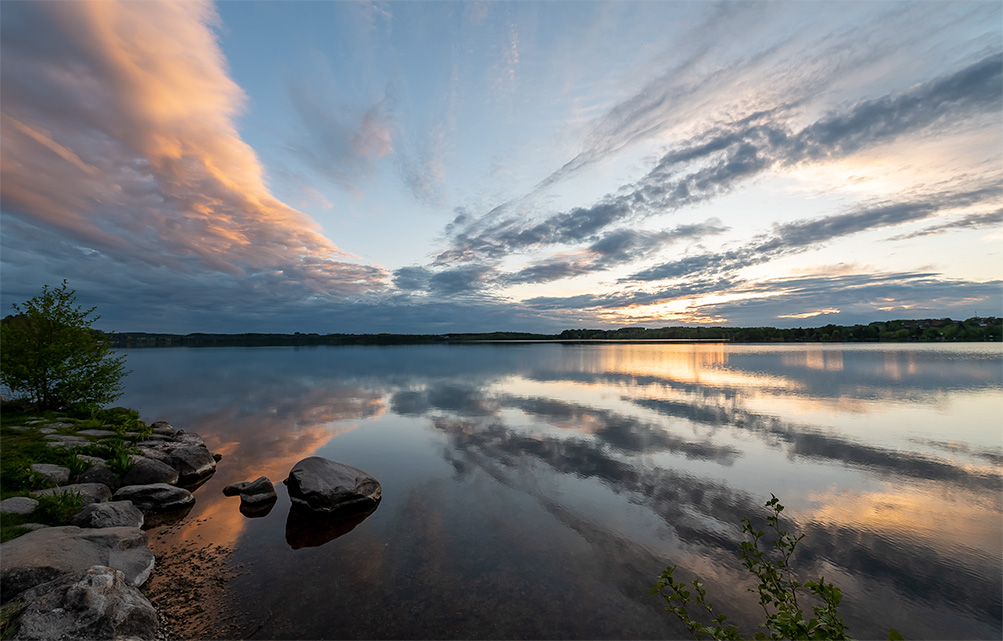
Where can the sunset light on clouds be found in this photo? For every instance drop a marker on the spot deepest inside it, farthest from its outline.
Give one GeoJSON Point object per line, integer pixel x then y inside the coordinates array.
{"type": "Point", "coordinates": [433, 167]}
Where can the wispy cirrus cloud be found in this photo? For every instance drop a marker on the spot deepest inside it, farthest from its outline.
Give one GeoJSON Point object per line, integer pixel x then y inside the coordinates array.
{"type": "Point", "coordinates": [119, 138]}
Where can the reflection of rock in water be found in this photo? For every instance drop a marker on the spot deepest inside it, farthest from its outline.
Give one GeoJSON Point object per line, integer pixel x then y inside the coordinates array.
{"type": "Point", "coordinates": [256, 510]}
{"type": "Point", "coordinates": [167, 517]}
{"type": "Point", "coordinates": [306, 528]}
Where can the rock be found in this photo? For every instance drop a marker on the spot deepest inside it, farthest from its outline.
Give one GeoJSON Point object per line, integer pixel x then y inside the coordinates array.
{"type": "Point", "coordinates": [192, 462]}
{"type": "Point", "coordinates": [189, 438]}
{"type": "Point", "coordinates": [111, 514]}
{"type": "Point", "coordinates": [96, 432]}
{"type": "Point", "coordinates": [58, 425]}
{"type": "Point", "coordinates": [19, 428]}
{"type": "Point", "coordinates": [18, 505]}
{"type": "Point", "coordinates": [96, 603]}
{"type": "Point", "coordinates": [93, 460]}
{"type": "Point", "coordinates": [158, 437]}
{"type": "Point", "coordinates": [323, 485]}
{"type": "Point", "coordinates": [89, 492]}
{"type": "Point", "coordinates": [155, 454]}
{"type": "Point", "coordinates": [155, 497]}
{"type": "Point", "coordinates": [258, 492]}
{"type": "Point", "coordinates": [216, 456]}
{"type": "Point", "coordinates": [67, 438]}
{"type": "Point", "coordinates": [34, 526]}
{"type": "Point", "coordinates": [146, 471]}
{"type": "Point", "coordinates": [44, 555]}
{"type": "Point", "coordinates": [162, 427]}
{"type": "Point", "coordinates": [99, 474]}
{"type": "Point", "coordinates": [47, 430]}
{"type": "Point", "coordinates": [233, 489]}
{"type": "Point", "coordinates": [56, 473]}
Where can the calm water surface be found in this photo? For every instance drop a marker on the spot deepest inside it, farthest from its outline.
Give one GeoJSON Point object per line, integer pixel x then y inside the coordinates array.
{"type": "Point", "coordinates": [536, 490]}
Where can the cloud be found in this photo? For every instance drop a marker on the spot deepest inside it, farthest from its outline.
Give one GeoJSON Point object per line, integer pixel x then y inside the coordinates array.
{"type": "Point", "coordinates": [971, 221]}
{"type": "Point", "coordinates": [120, 143]}
{"type": "Point", "coordinates": [718, 159]}
{"type": "Point", "coordinates": [341, 144]}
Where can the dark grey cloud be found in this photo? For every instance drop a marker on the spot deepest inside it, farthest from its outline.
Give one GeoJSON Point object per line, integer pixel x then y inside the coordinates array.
{"type": "Point", "coordinates": [971, 221]}
{"type": "Point", "coordinates": [613, 248]}
{"type": "Point", "coordinates": [798, 236]}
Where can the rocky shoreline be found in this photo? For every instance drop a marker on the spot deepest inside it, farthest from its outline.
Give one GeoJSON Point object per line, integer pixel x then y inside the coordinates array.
{"type": "Point", "coordinates": [82, 580]}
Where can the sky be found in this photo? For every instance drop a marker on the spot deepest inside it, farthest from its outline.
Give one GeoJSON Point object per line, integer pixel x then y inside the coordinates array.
{"type": "Point", "coordinates": [502, 166]}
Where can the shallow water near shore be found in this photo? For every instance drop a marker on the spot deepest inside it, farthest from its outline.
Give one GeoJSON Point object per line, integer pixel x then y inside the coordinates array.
{"type": "Point", "coordinates": [537, 490]}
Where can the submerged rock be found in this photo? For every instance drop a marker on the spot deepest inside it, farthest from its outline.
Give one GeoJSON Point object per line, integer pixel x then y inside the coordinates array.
{"type": "Point", "coordinates": [43, 555]}
{"type": "Point", "coordinates": [97, 603]}
{"type": "Point", "coordinates": [323, 485]}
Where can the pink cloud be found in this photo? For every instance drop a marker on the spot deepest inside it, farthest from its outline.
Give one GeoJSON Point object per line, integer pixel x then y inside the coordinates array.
{"type": "Point", "coordinates": [119, 133]}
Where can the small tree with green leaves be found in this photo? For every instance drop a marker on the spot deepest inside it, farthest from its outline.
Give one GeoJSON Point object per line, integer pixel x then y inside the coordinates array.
{"type": "Point", "coordinates": [777, 591]}
{"type": "Point", "coordinates": [50, 356]}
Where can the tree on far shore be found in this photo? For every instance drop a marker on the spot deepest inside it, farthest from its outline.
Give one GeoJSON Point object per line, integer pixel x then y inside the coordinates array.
{"type": "Point", "coordinates": [50, 356]}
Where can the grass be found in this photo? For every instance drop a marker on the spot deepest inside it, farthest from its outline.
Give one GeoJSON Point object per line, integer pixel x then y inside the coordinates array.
{"type": "Point", "coordinates": [20, 449]}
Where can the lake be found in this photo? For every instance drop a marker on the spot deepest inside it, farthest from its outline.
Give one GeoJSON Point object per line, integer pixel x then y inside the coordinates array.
{"type": "Point", "coordinates": [537, 490]}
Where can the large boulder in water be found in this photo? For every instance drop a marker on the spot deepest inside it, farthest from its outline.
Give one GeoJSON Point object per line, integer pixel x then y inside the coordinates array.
{"type": "Point", "coordinates": [322, 485]}
{"type": "Point", "coordinates": [155, 497]}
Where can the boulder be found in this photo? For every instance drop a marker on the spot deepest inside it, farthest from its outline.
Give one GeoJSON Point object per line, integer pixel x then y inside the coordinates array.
{"type": "Point", "coordinates": [323, 485]}
{"type": "Point", "coordinates": [189, 438]}
{"type": "Point", "coordinates": [111, 514]}
{"type": "Point", "coordinates": [156, 454]}
{"type": "Point", "coordinates": [146, 471]}
{"type": "Point", "coordinates": [18, 505]}
{"type": "Point", "coordinates": [233, 489]}
{"type": "Point", "coordinates": [89, 492]}
{"type": "Point", "coordinates": [44, 555]}
{"type": "Point", "coordinates": [155, 497]}
{"type": "Point", "coordinates": [257, 494]}
{"type": "Point", "coordinates": [97, 603]}
{"type": "Point", "coordinates": [99, 474]}
{"type": "Point", "coordinates": [162, 427]}
{"type": "Point", "coordinates": [92, 460]}
{"type": "Point", "coordinates": [192, 462]}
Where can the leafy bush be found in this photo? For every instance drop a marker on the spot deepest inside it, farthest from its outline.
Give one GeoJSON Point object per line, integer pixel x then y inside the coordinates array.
{"type": "Point", "coordinates": [777, 591]}
{"type": "Point", "coordinates": [52, 357]}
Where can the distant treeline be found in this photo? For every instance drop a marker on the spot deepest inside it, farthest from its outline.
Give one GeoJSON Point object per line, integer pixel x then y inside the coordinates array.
{"type": "Point", "coordinates": [940, 329]}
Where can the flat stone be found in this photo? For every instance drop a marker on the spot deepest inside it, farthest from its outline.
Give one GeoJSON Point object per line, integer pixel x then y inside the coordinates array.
{"type": "Point", "coordinates": [67, 438]}
{"type": "Point", "coordinates": [19, 428]}
{"type": "Point", "coordinates": [155, 497]}
{"type": "Point", "coordinates": [59, 425]}
{"type": "Point", "coordinates": [47, 430]}
{"type": "Point", "coordinates": [111, 514]}
{"type": "Point", "coordinates": [96, 432]}
{"type": "Point", "coordinates": [44, 555]}
{"type": "Point", "coordinates": [323, 485]}
{"type": "Point", "coordinates": [34, 526]}
{"type": "Point", "coordinates": [89, 492]}
{"type": "Point", "coordinates": [18, 505]}
{"type": "Point", "coordinates": [56, 473]}
{"type": "Point", "coordinates": [97, 603]}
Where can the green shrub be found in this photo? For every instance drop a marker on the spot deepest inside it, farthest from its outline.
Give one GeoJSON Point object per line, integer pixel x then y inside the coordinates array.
{"type": "Point", "coordinates": [777, 591]}
{"type": "Point", "coordinates": [52, 357]}
{"type": "Point", "coordinates": [57, 508]}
